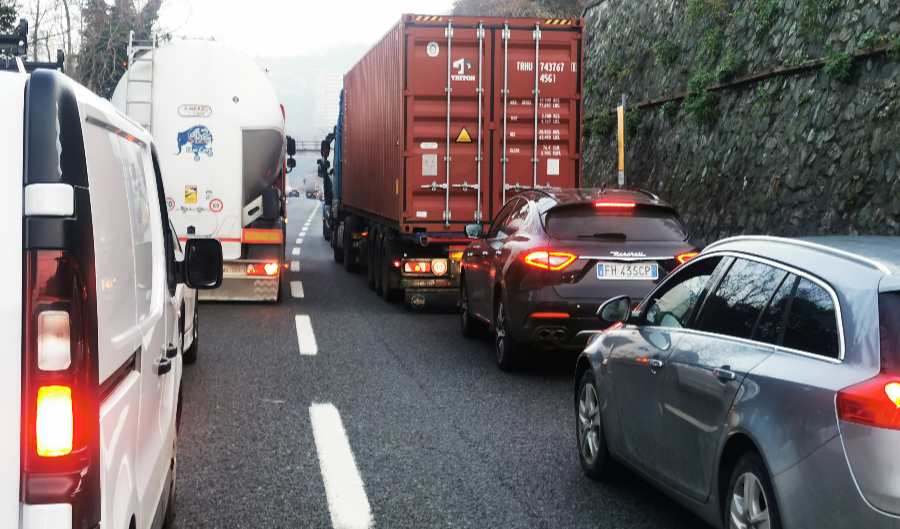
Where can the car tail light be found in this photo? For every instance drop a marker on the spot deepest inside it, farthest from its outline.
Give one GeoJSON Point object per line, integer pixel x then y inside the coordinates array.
{"type": "Point", "coordinates": [262, 269]}
{"type": "Point", "coordinates": [60, 420]}
{"type": "Point", "coordinates": [549, 315]}
{"type": "Point", "coordinates": [875, 402]}
{"type": "Point", "coordinates": [619, 205]}
{"type": "Point", "coordinates": [550, 260]}
{"type": "Point", "coordinates": [684, 257]}
{"type": "Point", "coordinates": [417, 267]}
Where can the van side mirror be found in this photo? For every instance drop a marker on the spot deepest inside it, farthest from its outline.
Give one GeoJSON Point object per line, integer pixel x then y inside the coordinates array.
{"type": "Point", "coordinates": [615, 310]}
{"type": "Point", "coordinates": [203, 264]}
{"type": "Point", "coordinates": [473, 231]}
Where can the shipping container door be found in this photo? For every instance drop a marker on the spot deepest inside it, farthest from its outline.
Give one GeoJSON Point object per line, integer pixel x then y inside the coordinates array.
{"type": "Point", "coordinates": [447, 135]}
{"type": "Point", "coordinates": [538, 138]}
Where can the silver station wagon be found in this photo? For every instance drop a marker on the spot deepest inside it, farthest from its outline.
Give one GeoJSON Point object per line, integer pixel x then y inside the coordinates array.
{"type": "Point", "coordinates": [758, 385]}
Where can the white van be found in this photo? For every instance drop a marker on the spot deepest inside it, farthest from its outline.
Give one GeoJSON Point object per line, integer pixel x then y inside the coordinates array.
{"type": "Point", "coordinates": [89, 401]}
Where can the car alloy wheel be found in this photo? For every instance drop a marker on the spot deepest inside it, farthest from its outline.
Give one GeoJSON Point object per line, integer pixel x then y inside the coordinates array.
{"type": "Point", "coordinates": [589, 424]}
{"type": "Point", "coordinates": [500, 331]}
{"type": "Point", "coordinates": [749, 506]}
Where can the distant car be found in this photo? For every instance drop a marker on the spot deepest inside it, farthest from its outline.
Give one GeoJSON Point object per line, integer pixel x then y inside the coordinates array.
{"type": "Point", "coordinates": [758, 385]}
{"type": "Point", "coordinates": [91, 384]}
{"type": "Point", "coordinates": [550, 258]}
{"type": "Point", "coordinates": [293, 193]}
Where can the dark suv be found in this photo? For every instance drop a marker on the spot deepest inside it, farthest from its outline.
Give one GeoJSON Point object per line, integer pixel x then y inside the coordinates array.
{"type": "Point", "coordinates": [551, 257]}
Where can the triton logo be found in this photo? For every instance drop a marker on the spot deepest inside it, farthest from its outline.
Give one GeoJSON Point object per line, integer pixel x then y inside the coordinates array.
{"type": "Point", "coordinates": [628, 254]}
{"type": "Point", "coordinates": [464, 67]}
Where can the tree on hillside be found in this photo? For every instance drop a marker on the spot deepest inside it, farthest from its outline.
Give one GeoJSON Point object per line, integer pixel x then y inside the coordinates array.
{"type": "Point", "coordinates": [9, 18]}
{"type": "Point", "coordinates": [520, 8]}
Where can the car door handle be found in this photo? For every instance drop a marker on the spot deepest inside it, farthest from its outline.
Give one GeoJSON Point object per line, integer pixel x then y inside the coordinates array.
{"type": "Point", "coordinates": [470, 254]}
{"type": "Point", "coordinates": [485, 254]}
{"type": "Point", "coordinates": [171, 351]}
{"type": "Point", "coordinates": [655, 363]}
{"type": "Point", "coordinates": [163, 366]}
{"type": "Point", "coordinates": [724, 374]}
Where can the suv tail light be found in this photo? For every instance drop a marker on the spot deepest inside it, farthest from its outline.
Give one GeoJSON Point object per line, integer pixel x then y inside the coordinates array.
{"type": "Point", "coordinates": [875, 402]}
{"type": "Point", "coordinates": [550, 260]}
{"type": "Point", "coordinates": [60, 423]}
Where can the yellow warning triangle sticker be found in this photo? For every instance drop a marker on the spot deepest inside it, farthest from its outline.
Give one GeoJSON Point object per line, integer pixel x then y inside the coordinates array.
{"type": "Point", "coordinates": [463, 136]}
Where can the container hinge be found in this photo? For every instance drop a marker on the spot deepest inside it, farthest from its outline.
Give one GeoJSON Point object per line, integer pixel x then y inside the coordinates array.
{"type": "Point", "coordinates": [504, 160]}
{"type": "Point", "coordinates": [536, 92]}
{"type": "Point", "coordinates": [479, 33]}
{"type": "Point", "coordinates": [448, 158]}
{"type": "Point", "coordinates": [504, 91]}
{"type": "Point", "coordinates": [479, 159]}
{"type": "Point", "coordinates": [537, 34]}
{"type": "Point", "coordinates": [478, 216]}
{"type": "Point", "coordinates": [448, 33]}
{"type": "Point", "coordinates": [505, 34]}
{"type": "Point", "coordinates": [434, 186]}
{"type": "Point", "coordinates": [448, 90]}
{"type": "Point", "coordinates": [479, 90]}
{"type": "Point", "coordinates": [465, 186]}
{"type": "Point", "coordinates": [534, 160]}
{"type": "Point", "coordinates": [516, 188]}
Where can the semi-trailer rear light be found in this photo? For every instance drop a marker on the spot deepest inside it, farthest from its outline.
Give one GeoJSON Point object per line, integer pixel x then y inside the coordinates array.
{"type": "Point", "coordinates": [619, 205]}
{"type": "Point", "coordinates": [262, 269]}
{"type": "Point", "coordinates": [417, 267]}
{"type": "Point", "coordinates": [550, 260]}
{"type": "Point", "coordinates": [875, 402]}
{"type": "Point", "coordinates": [54, 423]}
{"type": "Point", "coordinates": [684, 257]}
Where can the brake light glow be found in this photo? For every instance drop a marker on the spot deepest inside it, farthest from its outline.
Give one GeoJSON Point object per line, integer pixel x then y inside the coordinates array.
{"type": "Point", "coordinates": [620, 205]}
{"type": "Point", "coordinates": [549, 315]}
{"type": "Point", "coordinates": [260, 269]}
{"type": "Point", "coordinates": [550, 260]}
{"type": "Point", "coordinates": [55, 423]}
{"type": "Point", "coordinates": [684, 257]}
{"type": "Point", "coordinates": [456, 255]}
{"type": "Point", "coordinates": [875, 402]}
{"type": "Point", "coordinates": [396, 264]}
{"type": "Point", "coordinates": [422, 267]}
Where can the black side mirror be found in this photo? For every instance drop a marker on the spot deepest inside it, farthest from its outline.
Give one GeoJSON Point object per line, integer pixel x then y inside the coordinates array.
{"type": "Point", "coordinates": [203, 263]}
{"type": "Point", "coordinates": [473, 231]}
{"type": "Point", "coordinates": [291, 163]}
{"type": "Point", "coordinates": [615, 310]}
{"type": "Point", "coordinates": [291, 146]}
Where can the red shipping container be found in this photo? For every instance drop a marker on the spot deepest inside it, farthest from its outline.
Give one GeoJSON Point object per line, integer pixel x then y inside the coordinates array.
{"type": "Point", "coordinates": [494, 103]}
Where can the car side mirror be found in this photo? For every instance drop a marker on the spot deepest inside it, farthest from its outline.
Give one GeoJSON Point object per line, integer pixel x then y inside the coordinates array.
{"type": "Point", "coordinates": [203, 264]}
{"type": "Point", "coordinates": [473, 231]}
{"type": "Point", "coordinates": [615, 310]}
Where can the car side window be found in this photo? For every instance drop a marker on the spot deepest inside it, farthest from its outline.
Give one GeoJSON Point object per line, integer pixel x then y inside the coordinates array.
{"type": "Point", "coordinates": [672, 305]}
{"type": "Point", "coordinates": [501, 219]}
{"type": "Point", "coordinates": [812, 322]}
{"type": "Point", "coordinates": [768, 330]}
{"type": "Point", "coordinates": [516, 219]}
{"type": "Point", "coordinates": [738, 300]}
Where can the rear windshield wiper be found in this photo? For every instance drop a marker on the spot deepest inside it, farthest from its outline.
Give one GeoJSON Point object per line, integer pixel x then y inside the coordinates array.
{"type": "Point", "coordinates": [610, 235]}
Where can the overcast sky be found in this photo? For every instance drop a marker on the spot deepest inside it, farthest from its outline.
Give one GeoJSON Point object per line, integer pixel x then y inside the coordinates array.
{"type": "Point", "coordinates": [274, 28]}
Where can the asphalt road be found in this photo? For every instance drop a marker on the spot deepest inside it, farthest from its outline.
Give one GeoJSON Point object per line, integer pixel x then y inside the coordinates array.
{"type": "Point", "coordinates": [439, 436]}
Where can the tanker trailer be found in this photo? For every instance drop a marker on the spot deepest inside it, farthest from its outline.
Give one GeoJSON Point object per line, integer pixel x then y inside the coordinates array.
{"type": "Point", "coordinates": [219, 131]}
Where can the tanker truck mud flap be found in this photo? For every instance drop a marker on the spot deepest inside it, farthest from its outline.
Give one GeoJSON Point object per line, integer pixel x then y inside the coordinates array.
{"type": "Point", "coordinates": [247, 280]}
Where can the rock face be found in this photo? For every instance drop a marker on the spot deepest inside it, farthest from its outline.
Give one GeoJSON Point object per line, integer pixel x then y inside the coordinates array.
{"type": "Point", "coordinates": [799, 155]}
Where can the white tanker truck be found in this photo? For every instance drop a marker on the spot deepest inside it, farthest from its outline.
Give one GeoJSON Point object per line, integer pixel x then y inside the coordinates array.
{"type": "Point", "coordinates": [219, 129]}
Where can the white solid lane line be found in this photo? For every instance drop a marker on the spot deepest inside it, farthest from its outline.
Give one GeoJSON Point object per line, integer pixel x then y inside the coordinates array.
{"type": "Point", "coordinates": [305, 337]}
{"type": "Point", "coordinates": [295, 266]}
{"type": "Point", "coordinates": [295, 251]}
{"type": "Point", "coordinates": [344, 489]}
{"type": "Point", "coordinates": [297, 288]}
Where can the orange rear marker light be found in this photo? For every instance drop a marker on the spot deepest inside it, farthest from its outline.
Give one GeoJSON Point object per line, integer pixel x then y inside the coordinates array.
{"type": "Point", "coordinates": [614, 204]}
{"type": "Point", "coordinates": [54, 425]}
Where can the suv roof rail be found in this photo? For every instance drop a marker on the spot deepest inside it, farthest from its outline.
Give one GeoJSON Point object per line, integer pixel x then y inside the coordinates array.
{"type": "Point", "coordinates": [649, 194]}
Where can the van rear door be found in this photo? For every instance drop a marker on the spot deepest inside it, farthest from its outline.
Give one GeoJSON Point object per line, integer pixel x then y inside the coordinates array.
{"type": "Point", "coordinates": [12, 94]}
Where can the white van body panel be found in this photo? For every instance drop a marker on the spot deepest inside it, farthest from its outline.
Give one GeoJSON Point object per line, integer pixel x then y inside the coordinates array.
{"type": "Point", "coordinates": [12, 93]}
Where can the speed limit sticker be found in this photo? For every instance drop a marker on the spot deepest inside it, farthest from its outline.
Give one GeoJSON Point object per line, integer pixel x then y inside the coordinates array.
{"type": "Point", "coordinates": [170, 203]}
{"type": "Point", "coordinates": [216, 205]}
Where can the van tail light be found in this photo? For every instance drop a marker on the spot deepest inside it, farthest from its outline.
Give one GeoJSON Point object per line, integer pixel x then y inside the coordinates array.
{"type": "Point", "coordinates": [875, 402]}
{"type": "Point", "coordinates": [685, 257]}
{"type": "Point", "coordinates": [60, 420]}
{"type": "Point", "coordinates": [550, 260]}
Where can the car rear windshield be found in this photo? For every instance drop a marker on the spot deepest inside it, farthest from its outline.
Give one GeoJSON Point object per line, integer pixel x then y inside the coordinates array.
{"type": "Point", "coordinates": [889, 325]}
{"type": "Point", "coordinates": [636, 224]}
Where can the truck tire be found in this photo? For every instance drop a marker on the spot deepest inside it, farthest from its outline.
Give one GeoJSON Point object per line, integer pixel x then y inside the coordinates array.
{"type": "Point", "coordinates": [271, 203]}
{"type": "Point", "coordinates": [378, 248]}
{"type": "Point", "coordinates": [370, 263]}
{"type": "Point", "coordinates": [389, 294]}
{"type": "Point", "coordinates": [349, 265]}
{"type": "Point", "coordinates": [326, 233]}
{"type": "Point", "coordinates": [338, 251]}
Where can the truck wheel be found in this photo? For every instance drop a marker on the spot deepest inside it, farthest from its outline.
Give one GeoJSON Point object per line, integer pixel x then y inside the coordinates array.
{"type": "Point", "coordinates": [376, 260]}
{"type": "Point", "coordinates": [349, 266]}
{"type": "Point", "coordinates": [326, 233]}
{"type": "Point", "coordinates": [370, 251]}
{"type": "Point", "coordinates": [338, 252]}
{"type": "Point", "coordinates": [387, 293]}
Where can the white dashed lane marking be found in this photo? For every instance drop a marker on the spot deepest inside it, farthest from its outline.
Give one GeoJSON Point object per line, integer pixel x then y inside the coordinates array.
{"type": "Point", "coordinates": [299, 240]}
{"type": "Point", "coordinates": [297, 288]}
{"type": "Point", "coordinates": [295, 251]}
{"type": "Point", "coordinates": [344, 489]}
{"type": "Point", "coordinates": [295, 266]}
{"type": "Point", "coordinates": [305, 337]}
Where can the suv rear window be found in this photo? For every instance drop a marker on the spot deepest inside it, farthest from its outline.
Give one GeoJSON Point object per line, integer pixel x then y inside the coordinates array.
{"type": "Point", "coordinates": [639, 224]}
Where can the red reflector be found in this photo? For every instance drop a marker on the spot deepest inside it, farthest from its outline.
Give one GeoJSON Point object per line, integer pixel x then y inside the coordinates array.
{"type": "Point", "coordinates": [614, 204]}
{"type": "Point", "coordinates": [423, 267]}
{"type": "Point", "coordinates": [262, 269]}
{"type": "Point", "coordinates": [549, 315]}
{"type": "Point", "coordinates": [684, 257]}
{"type": "Point", "coordinates": [550, 260]}
{"type": "Point", "coordinates": [396, 264]}
{"type": "Point", "coordinates": [55, 423]}
{"type": "Point", "coordinates": [875, 402]}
